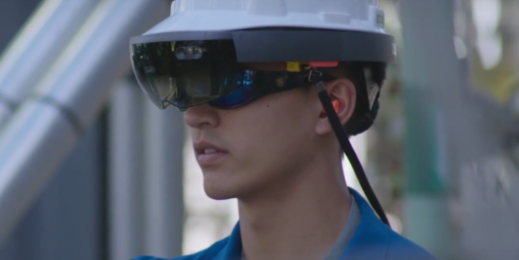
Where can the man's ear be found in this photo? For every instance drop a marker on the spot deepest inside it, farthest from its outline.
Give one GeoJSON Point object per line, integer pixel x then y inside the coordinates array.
{"type": "Point", "coordinates": [343, 95]}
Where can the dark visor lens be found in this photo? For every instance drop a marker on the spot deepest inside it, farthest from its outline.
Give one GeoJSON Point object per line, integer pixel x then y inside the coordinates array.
{"type": "Point", "coordinates": [185, 74]}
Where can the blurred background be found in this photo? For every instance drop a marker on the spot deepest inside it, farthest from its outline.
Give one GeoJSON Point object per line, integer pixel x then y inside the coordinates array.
{"type": "Point", "coordinates": [89, 169]}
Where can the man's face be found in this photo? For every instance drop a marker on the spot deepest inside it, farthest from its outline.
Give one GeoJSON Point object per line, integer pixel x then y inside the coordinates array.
{"type": "Point", "coordinates": [243, 150]}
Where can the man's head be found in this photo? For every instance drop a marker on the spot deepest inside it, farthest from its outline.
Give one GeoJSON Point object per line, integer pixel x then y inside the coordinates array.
{"type": "Point", "coordinates": [246, 139]}
{"type": "Point", "coordinates": [243, 150]}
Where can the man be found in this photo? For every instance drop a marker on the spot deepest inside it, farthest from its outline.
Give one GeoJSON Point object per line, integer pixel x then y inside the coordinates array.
{"type": "Point", "coordinates": [253, 78]}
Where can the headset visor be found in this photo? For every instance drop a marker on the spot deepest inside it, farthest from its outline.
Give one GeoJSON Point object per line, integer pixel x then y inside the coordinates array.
{"type": "Point", "coordinates": [187, 73]}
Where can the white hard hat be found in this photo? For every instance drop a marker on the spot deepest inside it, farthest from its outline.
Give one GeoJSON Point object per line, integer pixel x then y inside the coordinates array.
{"type": "Point", "coordinates": [229, 15]}
{"type": "Point", "coordinates": [335, 29]}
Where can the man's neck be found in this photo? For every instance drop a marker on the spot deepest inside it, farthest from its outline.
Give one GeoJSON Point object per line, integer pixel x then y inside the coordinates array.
{"type": "Point", "coordinates": [298, 219]}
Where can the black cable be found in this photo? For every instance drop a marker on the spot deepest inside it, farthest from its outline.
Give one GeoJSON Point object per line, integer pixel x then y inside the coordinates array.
{"type": "Point", "coordinates": [350, 153]}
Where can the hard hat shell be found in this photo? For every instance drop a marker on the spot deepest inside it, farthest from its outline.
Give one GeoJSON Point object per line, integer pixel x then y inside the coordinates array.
{"type": "Point", "coordinates": [230, 15]}
{"type": "Point", "coordinates": [269, 30]}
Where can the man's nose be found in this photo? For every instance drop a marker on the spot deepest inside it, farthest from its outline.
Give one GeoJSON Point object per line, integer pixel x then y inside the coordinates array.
{"type": "Point", "coordinates": [201, 116]}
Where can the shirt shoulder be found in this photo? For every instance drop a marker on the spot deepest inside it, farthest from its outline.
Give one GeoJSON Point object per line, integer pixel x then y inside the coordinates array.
{"type": "Point", "coordinates": [400, 247]}
{"type": "Point", "coordinates": [212, 253]}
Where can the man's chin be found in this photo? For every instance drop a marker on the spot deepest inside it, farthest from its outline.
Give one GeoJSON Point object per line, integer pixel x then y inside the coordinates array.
{"type": "Point", "coordinates": [219, 195]}
{"type": "Point", "coordinates": [227, 188]}
{"type": "Point", "coordinates": [219, 192]}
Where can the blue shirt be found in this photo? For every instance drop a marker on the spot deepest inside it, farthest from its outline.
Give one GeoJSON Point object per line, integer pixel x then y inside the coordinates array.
{"type": "Point", "coordinates": [372, 240]}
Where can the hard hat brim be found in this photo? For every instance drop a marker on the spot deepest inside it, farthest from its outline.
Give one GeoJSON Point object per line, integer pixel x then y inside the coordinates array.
{"type": "Point", "coordinates": [289, 44]}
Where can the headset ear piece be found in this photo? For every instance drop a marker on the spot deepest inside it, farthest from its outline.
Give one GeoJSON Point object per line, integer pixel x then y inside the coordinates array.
{"type": "Point", "coordinates": [335, 104]}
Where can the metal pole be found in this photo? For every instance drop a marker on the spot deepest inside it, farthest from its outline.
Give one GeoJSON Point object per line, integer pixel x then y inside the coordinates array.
{"type": "Point", "coordinates": [164, 131]}
{"type": "Point", "coordinates": [37, 46]}
{"type": "Point", "coordinates": [430, 71]}
{"type": "Point", "coordinates": [487, 193]}
{"type": "Point", "coordinates": [515, 37]}
{"type": "Point", "coordinates": [47, 126]}
{"type": "Point", "coordinates": [126, 172]}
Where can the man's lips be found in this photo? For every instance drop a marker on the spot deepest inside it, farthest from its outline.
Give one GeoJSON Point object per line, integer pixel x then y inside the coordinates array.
{"type": "Point", "coordinates": [208, 153]}
{"type": "Point", "coordinates": [202, 147]}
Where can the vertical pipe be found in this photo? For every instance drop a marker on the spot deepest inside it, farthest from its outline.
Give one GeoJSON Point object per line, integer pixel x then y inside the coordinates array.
{"type": "Point", "coordinates": [430, 71]}
{"type": "Point", "coordinates": [164, 131]}
{"type": "Point", "coordinates": [126, 171]}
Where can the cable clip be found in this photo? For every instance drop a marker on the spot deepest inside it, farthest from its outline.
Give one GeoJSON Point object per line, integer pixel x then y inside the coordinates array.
{"type": "Point", "coordinates": [314, 75]}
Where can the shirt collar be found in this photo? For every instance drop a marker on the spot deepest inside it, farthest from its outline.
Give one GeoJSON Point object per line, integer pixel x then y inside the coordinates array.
{"type": "Point", "coordinates": [233, 248]}
{"type": "Point", "coordinates": [370, 240]}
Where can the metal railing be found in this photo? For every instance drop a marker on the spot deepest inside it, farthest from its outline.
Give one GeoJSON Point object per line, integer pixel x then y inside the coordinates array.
{"type": "Point", "coordinates": [36, 47]}
{"type": "Point", "coordinates": [46, 127]}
